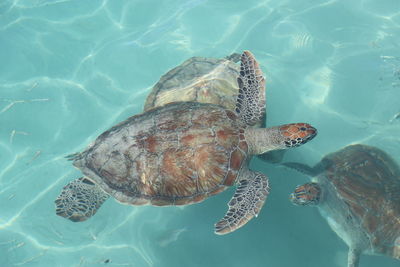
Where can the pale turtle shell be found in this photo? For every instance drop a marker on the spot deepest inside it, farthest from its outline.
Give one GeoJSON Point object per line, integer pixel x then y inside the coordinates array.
{"type": "Point", "coordinates": [199, 79]}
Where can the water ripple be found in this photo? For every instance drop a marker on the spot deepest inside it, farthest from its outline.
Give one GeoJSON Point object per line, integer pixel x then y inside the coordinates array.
{"type": "Point", "coordinates": [71, 69]}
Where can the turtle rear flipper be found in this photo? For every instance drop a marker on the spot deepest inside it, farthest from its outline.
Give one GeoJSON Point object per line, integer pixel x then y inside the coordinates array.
{"type": "Point", "coordinates": [353, 257]}
{"type": "Point", "coordinates": [247, 202]}
{"type": "Point", "coordinates": [79, 200]}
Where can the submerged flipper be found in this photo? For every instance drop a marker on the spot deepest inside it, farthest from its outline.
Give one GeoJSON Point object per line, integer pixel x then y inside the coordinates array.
{"type": "Point", "coordinates": [79, 200]}
{"type": "Point", "coordinates": [302, 168]}
{"type": "Point", "coordinates": [247, 202]}
{"type": "Point", "coordinates": [274, 156]}
{"type": "Point", "coordinates": [353, 258]}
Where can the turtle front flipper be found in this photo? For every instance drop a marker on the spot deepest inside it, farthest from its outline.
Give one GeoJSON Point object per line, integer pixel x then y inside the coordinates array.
{"type": "Point", "coordinates": [247, 202]}
{"type": "Point", "coordinates": [79, 200]}
{"type": "Point", "coordinates": [302, 168]}
{"type": "Point", "coordinates": [250, 103]}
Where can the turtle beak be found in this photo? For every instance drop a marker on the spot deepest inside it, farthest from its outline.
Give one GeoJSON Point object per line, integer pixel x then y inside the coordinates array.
{"type": "Point", "coordinates": [310, 131]}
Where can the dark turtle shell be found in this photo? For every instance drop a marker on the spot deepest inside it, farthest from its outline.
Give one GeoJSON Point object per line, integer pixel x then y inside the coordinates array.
{"type": "Point", "coordinates": [173, 155]}
{"type": "Point", "coordinates": [368, 181]}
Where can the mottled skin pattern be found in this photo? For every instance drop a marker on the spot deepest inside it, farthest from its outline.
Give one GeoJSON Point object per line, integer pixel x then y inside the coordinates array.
{"type": "Point", "coordinates": [176, 155]}
{"type": "Point", "coordinates": [358, 189]}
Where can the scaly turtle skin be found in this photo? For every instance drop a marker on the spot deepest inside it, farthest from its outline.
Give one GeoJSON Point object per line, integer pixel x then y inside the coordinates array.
{"type": "Point", "coordinates": [204, 80]}
{"type": "Point", "coordinates": [182, 153]}
{"type": "Point", "coordinates": [357, 190]}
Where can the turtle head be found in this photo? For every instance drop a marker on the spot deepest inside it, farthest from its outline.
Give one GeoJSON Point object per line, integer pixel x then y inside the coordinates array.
{"type": "Point", "coordinates": [297, 134]}
{"type": "Point", "coordinates": [284, 136]}
{"type": "Point", "coordinates": [306, 194]}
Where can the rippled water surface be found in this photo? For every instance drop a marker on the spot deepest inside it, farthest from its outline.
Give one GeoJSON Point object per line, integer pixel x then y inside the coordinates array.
{"type": "Point", "coordinates": [70, 69]}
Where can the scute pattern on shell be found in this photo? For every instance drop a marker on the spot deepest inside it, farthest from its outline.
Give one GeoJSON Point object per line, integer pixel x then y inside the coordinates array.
{"type": "Point", "coordinates": [178, 154]}
{"type": "Point", "coordinates": [199, 79]}
{"type": "Point", "coordinates": [368, 181]}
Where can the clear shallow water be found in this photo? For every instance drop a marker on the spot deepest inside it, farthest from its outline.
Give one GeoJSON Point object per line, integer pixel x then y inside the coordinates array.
{"type": "Point", "coordinates": [71, 69]}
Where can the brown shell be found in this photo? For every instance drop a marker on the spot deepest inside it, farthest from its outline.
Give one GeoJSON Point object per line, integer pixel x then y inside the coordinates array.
{"type": "Point", "coordinates": [204, 80]}
{"type": "Point", "coordinates": [368, 181]}
{"type": "Point", "coordinates": [174, 155]}
{"type": "Point", "coordinates": [198, 79]}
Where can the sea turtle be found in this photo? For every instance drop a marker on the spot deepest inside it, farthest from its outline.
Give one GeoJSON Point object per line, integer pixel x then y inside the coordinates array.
{"type": "Point", "coordinates": [205, 80]}
{"type": "Point", "coordinates": [182, 153]}
{"type": "Point", "coordinates": [357, 190]}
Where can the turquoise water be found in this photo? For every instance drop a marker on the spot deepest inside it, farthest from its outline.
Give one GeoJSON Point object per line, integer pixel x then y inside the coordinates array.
{"type": "Point", "coordinates": [71, 69]}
